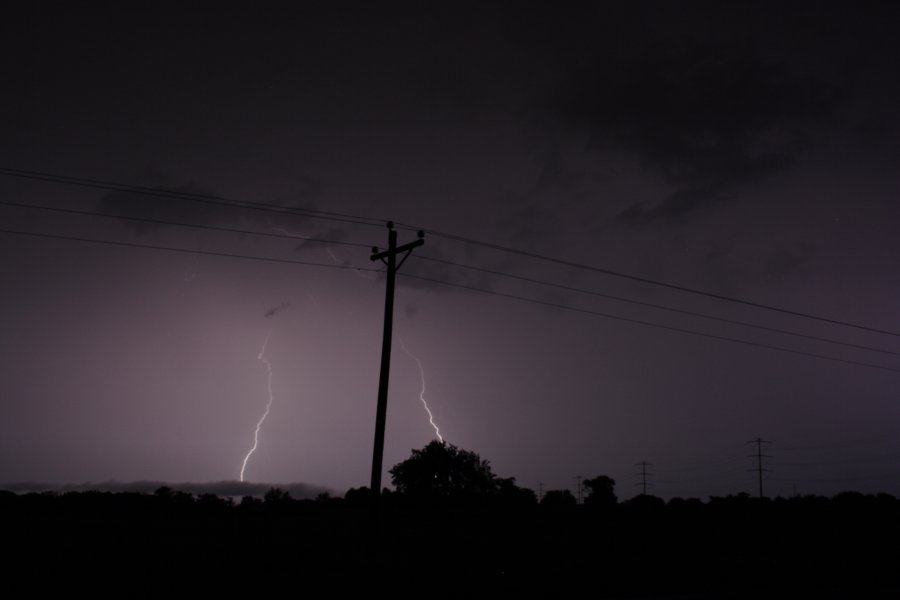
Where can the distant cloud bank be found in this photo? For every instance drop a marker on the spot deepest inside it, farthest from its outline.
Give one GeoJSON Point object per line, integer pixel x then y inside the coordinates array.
{"type": "Point", "coordinates": [219, 488]}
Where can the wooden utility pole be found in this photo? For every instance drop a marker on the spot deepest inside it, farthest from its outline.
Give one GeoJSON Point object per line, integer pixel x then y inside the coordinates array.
{"type": "Point", "coordinates": [389, 258]}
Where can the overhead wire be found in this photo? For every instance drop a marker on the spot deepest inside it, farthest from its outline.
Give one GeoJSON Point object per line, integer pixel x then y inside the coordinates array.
{"type": "Point", "coordinates": [219, 200]}
{"type": "Point", "coordinates": [647, 323]}
{"type": "Point", "coordinates": [371, 221]}
{"type": "Point", "coordinates": [654, 282]}
{"type": "Point", "coordinates": [440, 261]}
{"type": "Point", "coordinates": [182, 224]}
{"type": "Point", "coordinates": [652, 305]}
{"type": "Point", "coordinates": [190, 196]}
{"type": "Point", "coordinates": [459, 286]}
{"type": "Point", "coordinates": [72, 238]}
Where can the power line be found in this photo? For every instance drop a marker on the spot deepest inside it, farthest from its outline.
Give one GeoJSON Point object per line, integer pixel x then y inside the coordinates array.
{"type": "Point", "coordinates": [370, 221]}
{"type": "Point", "coordinates": [671, 286]}
{"type": "Point", "coordinates": [653, 305]}
{"type": "Point", "coordinates": [181, 224]}
{"type": "Point", "coordinates": [648, 323]}
{"type": "Point", "coordinates": [450, 263]}
{"type": "Point", "coordinates": [184, 250]}
{"type": "Point", "coordinates": [190, 196]}
{"type": "Point", "coordinates": [456, 285]}
{"type": "Point", "coordinates": [437, 260]}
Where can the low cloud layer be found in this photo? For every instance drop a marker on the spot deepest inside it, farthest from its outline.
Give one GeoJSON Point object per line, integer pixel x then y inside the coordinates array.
{"type": "Point", "coordinates": [298, 491]}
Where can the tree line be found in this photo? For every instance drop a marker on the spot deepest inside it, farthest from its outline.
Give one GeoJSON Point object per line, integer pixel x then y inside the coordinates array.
{"type": "Point", "coordinates": [452, 528]}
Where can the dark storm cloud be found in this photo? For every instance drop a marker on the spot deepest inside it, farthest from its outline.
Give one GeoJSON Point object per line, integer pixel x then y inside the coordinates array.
{"type": "Point", "coordinates": [710, 119]}
{"type": "Point", "coordinates": [276, 309]}
{"type": "Point", "coordinates": [156, 210]}
{"type": "Point", "coordinates": [784, 262]}
{"type": "Point", "coordinates": [532, 215]}
{"type": "Point", "coordinates": [429, 268]}
{"type": "Point", "coordinates": [323, 240]}
{"type": "Point", "coordinates": [725, 266]}
{"type": "Point", "coordinates": [153, 207]}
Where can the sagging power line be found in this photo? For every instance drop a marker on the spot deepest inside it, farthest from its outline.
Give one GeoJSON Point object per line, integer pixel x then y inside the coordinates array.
{"type": "Point", "coordinates": [170, 223]}
{"type": "Point", "coordinates": [371, 221]}
{"type": "Point", "coordinates": [460, 286]}
{"type": "Point", "coordinates": [189, 196]}
{"type": "Point", "coordinates": [313, 239]}
{"type": "Point", "coordinates": [71, 238]}
{"type": "Point", "coordinates": [656, 306]}
{"type": "Point", "coordinates": [650, 323]}
{"type": "Point", "coordinates": [654, 282]}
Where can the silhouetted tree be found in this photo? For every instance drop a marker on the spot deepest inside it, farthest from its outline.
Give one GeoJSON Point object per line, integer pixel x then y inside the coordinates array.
{"type": "Point", "coordinates": [211, 502]}
{"type": "Point", "coordinates": [512, 495]}
{"type": "Point", "coordinates": [249, 503]}
{"type": "Point", "coordinates": [558, 499]}
{"type": "Point", "coordinates": [601, 491]}
{"type": "Point", "coordinates": [357, 496]}
{"type": "Point", "coordinates": [442, 469]}
{"type": "Point", "coordinates": [646, 502]}
{"type": "Point", "coordinates": [277, 496]}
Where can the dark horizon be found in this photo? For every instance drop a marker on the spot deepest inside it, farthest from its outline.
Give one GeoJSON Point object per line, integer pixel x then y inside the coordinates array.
{"type": "Point", "coordinates": [453, 529]}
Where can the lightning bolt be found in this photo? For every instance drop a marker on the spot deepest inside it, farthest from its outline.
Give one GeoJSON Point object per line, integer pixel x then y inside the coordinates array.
{"type": "Point", "coordinates": [262, 358]}
{"type": "Point", "coordinates": [437, 431]}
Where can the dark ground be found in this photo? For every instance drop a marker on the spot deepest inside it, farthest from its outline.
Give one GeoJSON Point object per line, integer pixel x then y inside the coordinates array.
{"type": "Point", "coordinates": [727, 548]}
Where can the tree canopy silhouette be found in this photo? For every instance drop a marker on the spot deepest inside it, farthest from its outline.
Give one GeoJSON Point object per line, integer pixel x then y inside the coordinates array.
{"type": "Point", "coordinates": [442, 469]}
{"type": "Point", "coordinates": [558, 499]}
{"type": "Point", "coordinates": [601, 491]}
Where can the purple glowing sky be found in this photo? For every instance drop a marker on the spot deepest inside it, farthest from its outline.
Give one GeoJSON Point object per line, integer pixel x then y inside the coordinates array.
{"type": "Point", "coordinates": [749, 151]}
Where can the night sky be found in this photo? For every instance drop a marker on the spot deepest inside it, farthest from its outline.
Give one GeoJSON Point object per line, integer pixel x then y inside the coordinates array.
{"type": "Point", "coordinates": [745, 149]}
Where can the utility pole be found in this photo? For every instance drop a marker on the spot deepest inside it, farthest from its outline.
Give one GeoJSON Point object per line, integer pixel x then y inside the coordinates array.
{"type": "Point", "coordinates": [759, 465]}
{"type": "Point", "coordinates": [580, 489]}
{"type": "Point", "coordinates": [389, 258]}
{"type": "Point", "coordinates": [643, 465]}
{"type": "Point", "coordinates": [540, 491]}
